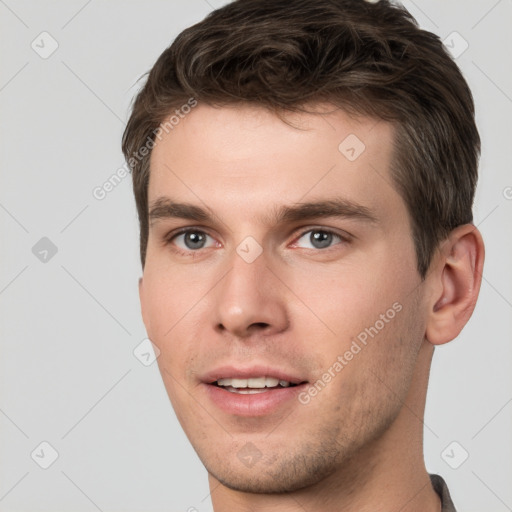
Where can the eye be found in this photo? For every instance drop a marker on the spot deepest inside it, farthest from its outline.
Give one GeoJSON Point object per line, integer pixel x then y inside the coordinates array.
{"type": "Point", "coordinates": [191, 240]}
{"type": "Point", "coordinates": [318, 239]}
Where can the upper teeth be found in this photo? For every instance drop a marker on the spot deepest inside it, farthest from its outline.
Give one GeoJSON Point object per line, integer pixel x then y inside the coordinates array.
{"type": "Point", "coordinates": [254, 382]}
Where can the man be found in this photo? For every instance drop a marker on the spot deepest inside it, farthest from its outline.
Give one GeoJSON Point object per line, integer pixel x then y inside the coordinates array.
{"type": "Point", "coordinates": [304, 174]}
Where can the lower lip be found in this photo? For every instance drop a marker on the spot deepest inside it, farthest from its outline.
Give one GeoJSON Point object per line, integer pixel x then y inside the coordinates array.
{"type": "Point", "coordinates": [257, 404]}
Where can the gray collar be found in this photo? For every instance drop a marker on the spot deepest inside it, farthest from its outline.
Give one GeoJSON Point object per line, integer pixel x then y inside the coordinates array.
{"type": "Point", "coordinates": [441, 488]}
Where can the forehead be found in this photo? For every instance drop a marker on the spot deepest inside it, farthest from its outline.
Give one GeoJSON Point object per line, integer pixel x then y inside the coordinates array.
{"type": "Point", "coordinates": [248, 159]}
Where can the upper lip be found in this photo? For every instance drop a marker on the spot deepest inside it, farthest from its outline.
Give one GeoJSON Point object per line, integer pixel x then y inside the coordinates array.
{"type": "Point", "coordinates": [245, 372]}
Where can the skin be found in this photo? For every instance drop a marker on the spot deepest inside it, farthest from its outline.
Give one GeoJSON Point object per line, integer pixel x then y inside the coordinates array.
{"type": "Point", "coordinates": [357, 444]}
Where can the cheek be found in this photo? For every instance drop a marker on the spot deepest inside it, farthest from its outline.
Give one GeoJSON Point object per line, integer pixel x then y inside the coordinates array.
{"type": "Point", "coordinates": [375, 367]}
{"type": "Point", "coordinates": [366, 314]}
{"type": "Point", "coordinates": [174, 304]}
{"type": "Point", "coordinates": [168, 297]}
{"type": "Point", "coordinates": [351, 298]}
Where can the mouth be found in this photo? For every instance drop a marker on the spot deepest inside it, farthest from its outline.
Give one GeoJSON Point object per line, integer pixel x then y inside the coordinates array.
{"type": "Point", "coordinates": [253, 385]}
{"type": "Point", "coordinates": [250, 392]}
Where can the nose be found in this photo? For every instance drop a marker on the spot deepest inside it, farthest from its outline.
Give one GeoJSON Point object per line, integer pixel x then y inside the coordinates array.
{"type": "Point", "coordinates": [250, 300]}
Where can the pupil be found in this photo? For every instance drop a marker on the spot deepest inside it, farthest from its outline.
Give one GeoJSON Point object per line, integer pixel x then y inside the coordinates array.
{"type": "Point", "coordinates": [320, 239]}
{"type": "Point", "coordinates": [194, 240]}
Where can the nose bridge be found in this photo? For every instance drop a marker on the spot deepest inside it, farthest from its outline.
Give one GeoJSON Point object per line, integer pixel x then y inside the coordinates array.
{"type": "Point", "coordinates": [249, 297]}
{"type": "Point", "coordinates": [247, 281]}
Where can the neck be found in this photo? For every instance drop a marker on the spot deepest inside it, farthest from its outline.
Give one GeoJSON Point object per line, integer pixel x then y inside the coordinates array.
{"type": "Point", "coordinates": [387, 474]}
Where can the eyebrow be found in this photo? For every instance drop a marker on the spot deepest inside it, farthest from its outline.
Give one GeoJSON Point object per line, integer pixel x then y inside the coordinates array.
{"type": "Point", "coordinates": [165, 208]}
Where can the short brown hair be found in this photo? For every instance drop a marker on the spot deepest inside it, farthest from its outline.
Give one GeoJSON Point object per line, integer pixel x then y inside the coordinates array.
{"type": "Point", "coordinates": [366, 58]}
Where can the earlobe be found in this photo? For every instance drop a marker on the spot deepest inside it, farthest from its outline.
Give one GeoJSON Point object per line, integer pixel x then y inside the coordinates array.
{"type": "Point", "coordinates": [458, 276]}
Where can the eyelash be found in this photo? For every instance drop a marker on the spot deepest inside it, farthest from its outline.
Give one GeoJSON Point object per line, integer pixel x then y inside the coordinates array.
{"type": "Point", "coordinates": [191, 253]}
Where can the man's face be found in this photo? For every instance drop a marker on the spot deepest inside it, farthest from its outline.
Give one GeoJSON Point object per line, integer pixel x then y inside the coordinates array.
{"type": "Point", "coordinates": [262, 286]}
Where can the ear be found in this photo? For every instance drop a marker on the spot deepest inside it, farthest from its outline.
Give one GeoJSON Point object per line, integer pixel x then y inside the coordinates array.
{"type": "Point", "coordinates": [455, 284]}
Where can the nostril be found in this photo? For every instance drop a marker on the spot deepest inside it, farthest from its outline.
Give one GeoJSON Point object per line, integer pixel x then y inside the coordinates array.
{"type": "Point", "coordinates": [261, 325]}
{"type": "Point", "coordinates": [243, 331]}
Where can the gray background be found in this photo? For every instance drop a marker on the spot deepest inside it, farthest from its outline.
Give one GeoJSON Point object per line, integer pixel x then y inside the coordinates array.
{"type": "Point", "coordinates": [70, 321]}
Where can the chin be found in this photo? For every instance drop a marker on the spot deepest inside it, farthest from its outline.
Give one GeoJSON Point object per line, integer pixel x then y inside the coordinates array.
{"type": "Point", "coordinates": [275, 476]}
{"type": "Point", "coordinates": [267, 484]}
